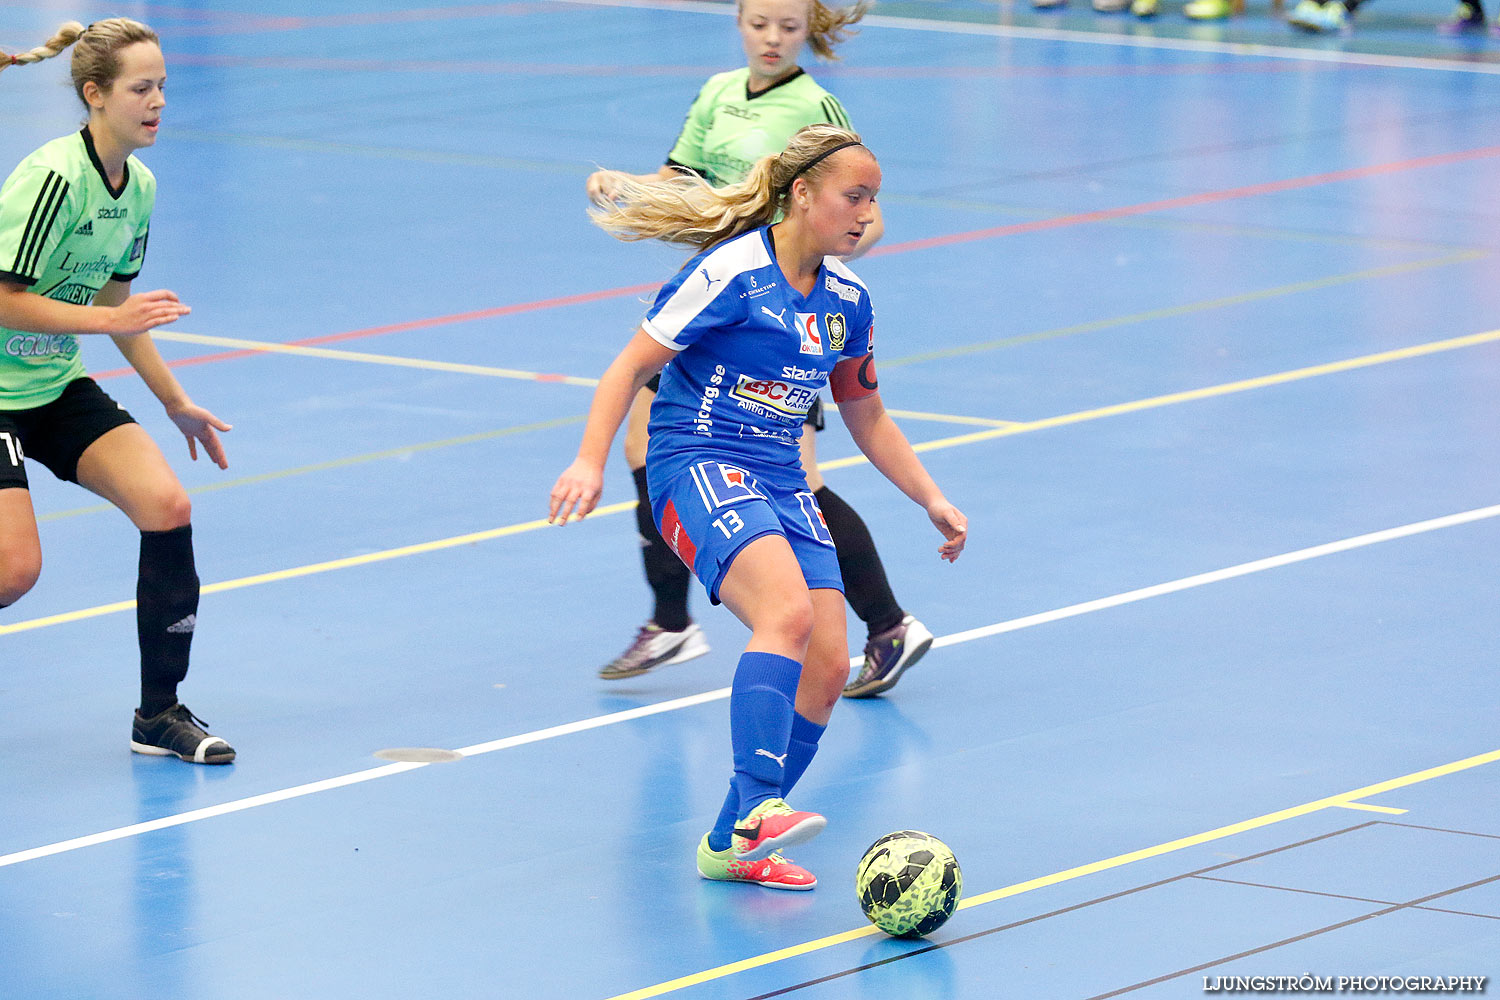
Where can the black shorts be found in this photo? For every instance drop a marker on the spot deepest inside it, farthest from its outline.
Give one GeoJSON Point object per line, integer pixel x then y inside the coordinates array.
{"type": "Point", "coordinates": [814, 412]}
{"type": "Point", "coordinates": [57, 433]}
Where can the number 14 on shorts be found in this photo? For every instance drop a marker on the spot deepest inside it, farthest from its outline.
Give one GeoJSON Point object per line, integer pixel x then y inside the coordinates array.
{"type": "Point", "coordinates": [12, 448]}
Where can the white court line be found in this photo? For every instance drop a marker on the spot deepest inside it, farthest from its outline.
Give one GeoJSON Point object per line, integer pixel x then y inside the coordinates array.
{"type": "Point", "coordinates": [601, 721]}
{"type": "Point", "coordinates": [1097, 38]}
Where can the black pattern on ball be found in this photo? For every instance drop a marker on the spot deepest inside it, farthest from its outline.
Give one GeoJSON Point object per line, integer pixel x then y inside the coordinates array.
{"type": "Point", "coordinates": [908, 883]}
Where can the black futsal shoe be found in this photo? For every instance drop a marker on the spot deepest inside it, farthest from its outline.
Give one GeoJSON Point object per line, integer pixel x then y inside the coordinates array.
{"type": "Point", "coordinates": [176, 731]}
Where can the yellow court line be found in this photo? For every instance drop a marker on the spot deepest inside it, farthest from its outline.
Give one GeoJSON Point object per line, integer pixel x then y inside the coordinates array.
{"type": "Point", "coordinates": [363, 357]}
{"type": "Point", "coordinates": [337, 463]}
{"type": "Point", "coordinates": [1366, 807]}
{"type": "Point", "coordinates": [1383, 357]}
{"type": "Point", "coordinates": [1172, 312]}
{"type": "Point", "coordinates": [1269, 819]}
{"type": "Point", "coordinates": [947, 418]}
{"type": "Point", "coordinates": [1192, 395]}
{"type": "Point", "coordinates": [313, 568]}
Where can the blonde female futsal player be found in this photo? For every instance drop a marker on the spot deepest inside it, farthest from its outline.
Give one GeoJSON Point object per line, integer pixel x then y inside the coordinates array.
{"type": "Point", "coordinates": [749, 331]}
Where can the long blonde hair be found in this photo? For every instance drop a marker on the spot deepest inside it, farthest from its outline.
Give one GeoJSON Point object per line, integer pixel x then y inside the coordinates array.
{"type": "Point", "coordinates": [829, 26]}
{"type": "Point", "coordinates": [687, 211]}
{"type": "Point", "coordinates": [96, 58]}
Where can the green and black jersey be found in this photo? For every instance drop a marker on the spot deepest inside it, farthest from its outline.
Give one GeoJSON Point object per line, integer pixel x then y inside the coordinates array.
{"type": "Point", "coordinates": [728, 128]}
{"type": "Point", "coordinates": [64, 233]}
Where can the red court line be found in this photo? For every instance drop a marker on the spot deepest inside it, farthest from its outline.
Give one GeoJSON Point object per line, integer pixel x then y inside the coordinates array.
{"type": "Point", "coordinates": [415, 324]}
{"type": "Point", "coordinates": [1188, 201]}
{"type": "Point", "coordinates": [1040, 225]}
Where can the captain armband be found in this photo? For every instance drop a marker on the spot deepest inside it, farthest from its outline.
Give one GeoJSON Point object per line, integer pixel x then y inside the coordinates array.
{"type": "Point", "coordinates": [853, 378]}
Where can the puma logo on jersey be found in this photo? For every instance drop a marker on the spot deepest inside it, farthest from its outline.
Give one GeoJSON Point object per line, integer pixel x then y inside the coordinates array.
{"type": "Point", "coordinates": [781, 760]}
{"type": "Point", "coordinates": [778, 317]}
{"type": "Point", "coordinates": [711, 281]}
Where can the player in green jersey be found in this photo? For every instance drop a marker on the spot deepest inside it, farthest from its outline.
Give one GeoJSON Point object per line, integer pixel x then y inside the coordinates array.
{"type": "Point", "coordinates": [737, 118]}
{"type": "Point", "coordinates": [74, 218]}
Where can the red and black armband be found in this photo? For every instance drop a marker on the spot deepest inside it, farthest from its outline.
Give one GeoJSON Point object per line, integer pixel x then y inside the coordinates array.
{"type": "Point", "coordinates": [853, 378]}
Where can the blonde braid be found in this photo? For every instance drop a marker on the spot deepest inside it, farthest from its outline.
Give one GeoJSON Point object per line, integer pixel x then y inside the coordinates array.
{"type": "Point", "coordinates": [66, 35]}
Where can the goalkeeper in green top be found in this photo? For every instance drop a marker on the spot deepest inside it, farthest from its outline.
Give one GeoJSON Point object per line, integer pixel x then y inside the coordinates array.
{"type": "Point", "coordinates": [737, 118]}
{"type": "Point", "coordinates": [74, 218]}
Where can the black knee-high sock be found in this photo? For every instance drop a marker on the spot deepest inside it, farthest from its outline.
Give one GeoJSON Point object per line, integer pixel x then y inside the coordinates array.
{"type": "Point", "coordinates": [668, 577]}
{"type": "Point", "coordinates": [865, 585]}
{"type": "Point", "coordinates": [166, 611]}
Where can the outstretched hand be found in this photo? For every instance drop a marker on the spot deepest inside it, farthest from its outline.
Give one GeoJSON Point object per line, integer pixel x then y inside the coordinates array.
{"type": "Point", "coordinates": [603, 186]}
{"type": "Point", "coordinates": [197, 424]}
{"type": "Point", "coordinates": [955, 528]}
{"type": "Point", "coordinates": [146, 311]}
{"type": "Point", "coordinates": [581, 483]}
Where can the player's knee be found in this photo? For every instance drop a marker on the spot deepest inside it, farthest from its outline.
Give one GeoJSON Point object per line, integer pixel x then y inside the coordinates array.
{"type": "Point", "coordinates": [792, 621]}
{"type": "Point", "coordinates": [18, 574]}
{"type": "Point", "coordinates": [168, 507]}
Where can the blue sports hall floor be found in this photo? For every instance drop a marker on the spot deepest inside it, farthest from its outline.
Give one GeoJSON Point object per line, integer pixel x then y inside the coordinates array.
{"type": "Point", "coordinates": [1199, 324]}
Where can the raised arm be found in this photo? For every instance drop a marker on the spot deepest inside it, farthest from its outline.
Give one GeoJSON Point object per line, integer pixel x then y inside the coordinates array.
{"type": "Point", "coordinates": [583, 481]}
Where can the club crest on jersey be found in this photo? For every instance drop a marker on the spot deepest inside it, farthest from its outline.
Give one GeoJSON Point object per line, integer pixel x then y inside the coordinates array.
{"type": "Point", "coordinates": [721, 485]}
{"type": "Point", "coordinates": [836, 332]}
{"type": "Point", "coordinates": [844, 290]}
{"type": "Point", "coordinates": [786, 398]}
{"type": "Point", "coordinates": [807, 329]}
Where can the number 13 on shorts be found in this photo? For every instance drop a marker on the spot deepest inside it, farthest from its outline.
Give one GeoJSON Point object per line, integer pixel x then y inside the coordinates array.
{"type": "Point", "coordinates": [730, 523]}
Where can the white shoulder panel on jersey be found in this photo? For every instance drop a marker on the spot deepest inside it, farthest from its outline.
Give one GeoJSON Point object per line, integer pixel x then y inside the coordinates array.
{"type": "Point", "coordinates": [843, 282]}
{"type": "Point", "coordinates": [711, 276]}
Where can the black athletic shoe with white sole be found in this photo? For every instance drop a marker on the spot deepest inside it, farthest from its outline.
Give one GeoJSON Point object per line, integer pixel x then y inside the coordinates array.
{"type": "Point", "coordinates": [178, 732]}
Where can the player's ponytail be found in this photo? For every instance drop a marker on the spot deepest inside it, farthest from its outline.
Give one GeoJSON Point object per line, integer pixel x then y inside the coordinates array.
{"type": "Point", "coordinates": [66, 35]}
{"type": "Point", "coordinates": [828, 26]}
{"type": "Point", "coordinates": [687, 211]}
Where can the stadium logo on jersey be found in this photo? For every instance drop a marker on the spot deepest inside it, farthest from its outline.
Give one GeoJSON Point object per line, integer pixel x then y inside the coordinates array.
{"type": "Point", "coordinates": [836, 331]}
{"type": "Point", "coordinates": [785, 398]}
{"type": "Point", "coordinates": [807, 328]}
{"type": "Point", "coordinates": [778, 317]}
{"type": "Point", "coordinates": [842, 289]}
{"type": "Point", "coordinates": [87, 229]}
{"type": "Point", "coordinates": [113, 213]}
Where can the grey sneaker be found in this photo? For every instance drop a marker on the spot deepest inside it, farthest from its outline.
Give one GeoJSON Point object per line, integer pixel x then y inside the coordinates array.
{"type": "Point", "coordinates": [655, 647]}
{"type": "Point", "coordinates": [176, 731]}
{"type": "Point", "coordinates": [887, 656]}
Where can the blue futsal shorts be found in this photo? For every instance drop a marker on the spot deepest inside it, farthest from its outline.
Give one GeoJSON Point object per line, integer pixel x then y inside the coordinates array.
{"type": "Point", "coordinates": [710, 511]}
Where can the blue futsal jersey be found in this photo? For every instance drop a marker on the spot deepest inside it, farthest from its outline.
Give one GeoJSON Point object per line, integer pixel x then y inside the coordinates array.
{"type": "Point", "coordinates": [753, 353]}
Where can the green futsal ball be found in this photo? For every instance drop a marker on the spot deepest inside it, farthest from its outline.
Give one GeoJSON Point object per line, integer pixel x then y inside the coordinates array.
{"type": "Point", "coordinates": [908, 883]}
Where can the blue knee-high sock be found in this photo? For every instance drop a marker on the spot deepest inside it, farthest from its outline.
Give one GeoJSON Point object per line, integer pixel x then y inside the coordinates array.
{"type": "Point", "coordinates": [719, 836]}
{"type": "Point", "coordinates": [760, 724]}
{"type": "Point", "coordinates": [800, 750]}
